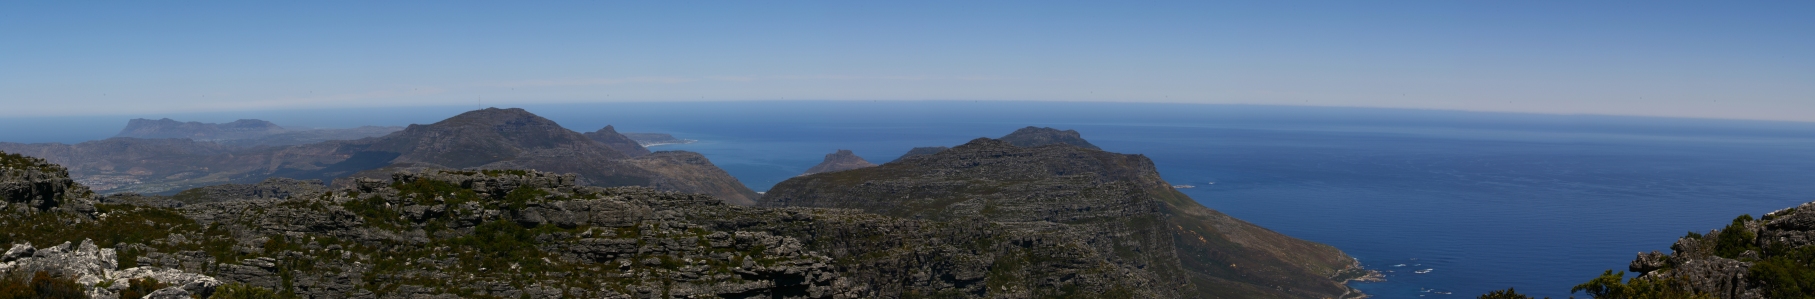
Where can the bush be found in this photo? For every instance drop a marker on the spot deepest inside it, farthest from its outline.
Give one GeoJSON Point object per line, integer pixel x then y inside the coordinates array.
{"type": "Point", "coordinates": [1508, 293]}
{"type": "Point", "coordinates": [138, 288]}
{"type": "Point", "coordinates": [40, 285]}
{"type": "Point", "coordinates": [1609, 286]}
{"type": "Point", "coordinates": [1735, 239]}
{"type": "Point", "coordinates": [243, 291]}
{"type": "Point", "coordinates": [1787, 274]}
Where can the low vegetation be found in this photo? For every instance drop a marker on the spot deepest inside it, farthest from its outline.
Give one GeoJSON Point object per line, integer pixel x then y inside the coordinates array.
{"type": "Point", "coordinates": [39, 285]}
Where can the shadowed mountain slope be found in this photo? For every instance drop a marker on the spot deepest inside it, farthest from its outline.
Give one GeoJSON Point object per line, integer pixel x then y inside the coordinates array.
{"type": "Point", "coordinates": [922, 151]}
{"type": "Point", "coordinates": [1115, 203]}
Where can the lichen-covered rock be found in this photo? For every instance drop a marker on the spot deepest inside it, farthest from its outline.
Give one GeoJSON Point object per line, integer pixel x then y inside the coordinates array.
{"type": "Point", "coordinates": [34, 184]}
{"type": "Point", "coordinates": [95, 269]}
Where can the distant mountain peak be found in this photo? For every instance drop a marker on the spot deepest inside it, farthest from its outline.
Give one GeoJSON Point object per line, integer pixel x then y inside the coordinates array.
{"type": "Point", "coordinates": [623, 144]}
{"type": "Point", "coordinates": [170, 128]}
{"type": "Point", "coordinates": [493, 116]}
{"type": "Point", "coordinates": [1038, 136]}
{"type": "Point", "coordinates": [1117, 202]}
{"type": "Point", "coordinates": [841, 160]}
{"type": "Point", "coordinates": [489, 135]}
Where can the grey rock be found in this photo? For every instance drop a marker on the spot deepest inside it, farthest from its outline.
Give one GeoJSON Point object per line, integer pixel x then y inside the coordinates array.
{"type": "Point", "coordinates": [169, 293]}
{"type": "Point", "coordinates": [1647, 262]}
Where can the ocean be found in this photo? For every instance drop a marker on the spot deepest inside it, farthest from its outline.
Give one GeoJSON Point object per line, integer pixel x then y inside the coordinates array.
{"type": "Point", "coordinates": [1447, 204]}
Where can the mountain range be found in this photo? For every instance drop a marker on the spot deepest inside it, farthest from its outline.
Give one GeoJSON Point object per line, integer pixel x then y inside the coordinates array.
{"type": "Point", "coordinates": [244, 132]}
{"type": "Point", "coordinates": [487, 138]}
{"type": "Point", "coordinates": [500, 203]}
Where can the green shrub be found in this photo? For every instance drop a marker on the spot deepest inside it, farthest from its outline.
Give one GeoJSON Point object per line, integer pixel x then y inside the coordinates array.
{"type": "Point", "coordinates": [138, 288]}
{"type": "Point", "coordinates": [1508, 293]}
{"type": "Point", "coordinates": [39, 285]}
{"type": "Point", "coordinates": [243, 291]}
{"type": "Point", "coordinates": [1609, 286]}
{"type": "Point", "coordinates": [1735, 239]}
{"type": "Point", "coordinates": [1788, 274]}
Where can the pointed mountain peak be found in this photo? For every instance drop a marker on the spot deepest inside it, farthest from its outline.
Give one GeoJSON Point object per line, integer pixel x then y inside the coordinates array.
{"type": "Point", "coordinates": [623, 144]}
{"type": "Point", "coordinates": [489, 135]}
{"type": "Point", "coordinates": [1037, 136]}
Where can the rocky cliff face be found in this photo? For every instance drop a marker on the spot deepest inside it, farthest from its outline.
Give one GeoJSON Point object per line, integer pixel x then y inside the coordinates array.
{"type": "Point", "coordinates": [839, 161]}
{"type": "Point", "coordinates": [610, 137]}
{"type": "Point", "coordinates": [530, 234]}
{"type": "Point", "coordinates": [1036, 136]}
{"type": "Point", "coordinates": [1113, 204]}
{"type": "Point", "coordinates": [32, 184]}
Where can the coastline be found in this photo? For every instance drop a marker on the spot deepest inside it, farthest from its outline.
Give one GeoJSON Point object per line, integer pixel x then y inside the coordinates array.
{"type": "Point", "coordinates": [1355, 273]}
{"type": "Point", "coordinates": [654, 144]}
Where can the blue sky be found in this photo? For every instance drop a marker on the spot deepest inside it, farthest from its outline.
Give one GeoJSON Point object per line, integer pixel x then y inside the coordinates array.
{"type": "Point", "coordinates": [1653, 58]}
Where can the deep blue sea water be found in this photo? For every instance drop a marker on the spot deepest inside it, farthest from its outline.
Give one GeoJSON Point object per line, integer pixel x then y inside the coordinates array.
{"type": "Point", "coordinates": [1484, 201]}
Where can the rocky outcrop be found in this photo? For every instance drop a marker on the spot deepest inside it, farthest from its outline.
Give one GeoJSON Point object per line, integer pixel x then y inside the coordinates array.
{"type": "Point", "coordinates": [839, 161]}
{"type": "Point", "coordinates": [1750, 258]}
{"type": "Point", "coordinates": [922, 151]}
{"type": "Point", "coordinates": [1037, 136]}
{"type": "Point", "coordinates": [95, 269]}
{"type": "Point", "coordinates": [610, 137]}
{"type": "Point", "coordinates": [1114, 205]}
{"type": "Point", "coordinates": [32, 184]}
{"type": "Point", "coordinates": [272, 188]}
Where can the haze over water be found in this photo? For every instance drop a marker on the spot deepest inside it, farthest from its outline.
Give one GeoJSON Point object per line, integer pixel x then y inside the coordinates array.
{"type": "Point", "coordinates": [1484, 201]}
